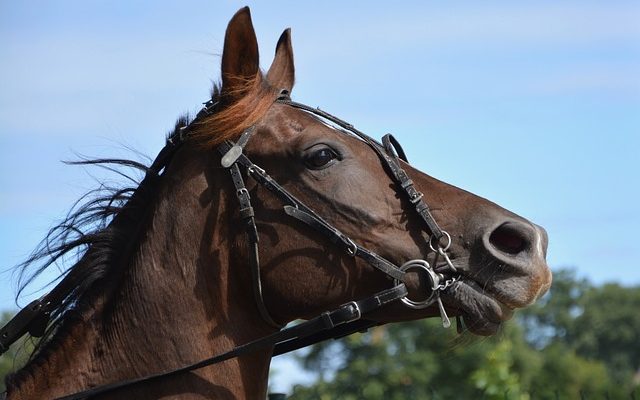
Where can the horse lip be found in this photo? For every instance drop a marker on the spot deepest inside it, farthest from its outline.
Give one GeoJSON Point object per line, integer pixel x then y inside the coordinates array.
{"type": "Point", "coordinates": [481, 304]}
{"type": "Point", "coordinates": [507, 312]}
{"type": "Point", "coordinates": [482, 310]}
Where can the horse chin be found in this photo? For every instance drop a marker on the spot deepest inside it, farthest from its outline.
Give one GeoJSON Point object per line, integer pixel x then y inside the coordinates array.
{"type": "Point", "coordinates": [482, 313]}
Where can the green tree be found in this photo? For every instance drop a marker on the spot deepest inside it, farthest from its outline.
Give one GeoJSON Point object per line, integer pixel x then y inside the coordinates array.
{"type": "Point", "coordinates": [579, 341]}
{"type": "Point", "coordinates": [599, 323]}
{"type": "Point", "coordinates": [15, 357]}
{"type": "Point", "coordinates": [420, 360]}
{"type": "Point", "coordinates": [609, 329]}
{"type": "Point", "coordinates": [565, 375]}
{"type": "Point", "coordinates": [553, 316]}
{"type": "Point", "coordinates": [496, 378]}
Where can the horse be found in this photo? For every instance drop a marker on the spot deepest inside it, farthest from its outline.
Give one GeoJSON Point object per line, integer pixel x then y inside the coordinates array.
{"type": "Point", "coordinates": [258, 212]}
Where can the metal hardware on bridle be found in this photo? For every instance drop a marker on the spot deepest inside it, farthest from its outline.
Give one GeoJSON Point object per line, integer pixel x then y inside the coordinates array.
{"type": "Point", "coordinates": [390, 152]}
{"type": "Point", "coordinates": [340, 322]}
{"type": "Point", "coordinates": [438, 284]}
{"type": "Point", "coordinates": [433, 277]}
{"type": "Point", "coordinates": [442, 250]}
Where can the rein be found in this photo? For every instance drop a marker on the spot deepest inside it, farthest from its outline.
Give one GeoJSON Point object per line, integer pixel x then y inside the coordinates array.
{"type": "Point", "coordinates": [344, 320]}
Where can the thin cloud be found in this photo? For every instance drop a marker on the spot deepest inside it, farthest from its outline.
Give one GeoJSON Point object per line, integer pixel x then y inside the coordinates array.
{"type": "Point", "coordinates": [611, 79]}
{"type": "Point", "coordinates": [510, 23]}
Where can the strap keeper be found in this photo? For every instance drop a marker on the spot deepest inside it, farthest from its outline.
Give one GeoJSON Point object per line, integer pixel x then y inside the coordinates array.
{"type": "Point", "coordinates": [407, 183]}
{"type": "Point", "coordinates": [422, 208]}
{"type": "Point", "coordinates": [247, 212]}
{"type": "Point", "coordinates": [326, 320]}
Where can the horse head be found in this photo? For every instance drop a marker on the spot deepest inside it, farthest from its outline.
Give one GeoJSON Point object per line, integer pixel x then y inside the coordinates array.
{"type": "Point", "coordinates": [259, 212]}
{"type": "Point", "coordinates": [497, 256]}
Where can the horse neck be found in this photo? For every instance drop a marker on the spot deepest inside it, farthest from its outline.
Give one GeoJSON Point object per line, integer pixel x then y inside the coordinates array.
{"type": "Point", "coordinates": [180, 300]}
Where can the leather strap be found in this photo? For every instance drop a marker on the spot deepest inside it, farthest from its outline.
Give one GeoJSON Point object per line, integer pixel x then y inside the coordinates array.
{"type": "Point", "coordinates": [31, 319]}
{"type": "Point", "coordinates": [337, 323]}
{"type": "Point", "coordinates": [393, 147]}
{"type": "Point", "coordinates": [329, 322]}
{"type": "Point", "coordinates": [293, 207]}
{"type": "Point", "coordinates": [248, 220]}
{"type": "Point", "coordinates": [398, 174]}
{"type": "Point", "coordinates": [303, 213]}
{"type": "Point", "coordinates": [353, 249]}
{"type": "Point", "coordinates": [413, 195]}
{"type": "Point", "coordinates": [230, 154]}
{"type": "Point", "coordinates": [360, 325]}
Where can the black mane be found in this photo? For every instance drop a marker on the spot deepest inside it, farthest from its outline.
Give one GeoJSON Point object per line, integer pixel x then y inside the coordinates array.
{"type": "Point", "coordinates": [90, 244]}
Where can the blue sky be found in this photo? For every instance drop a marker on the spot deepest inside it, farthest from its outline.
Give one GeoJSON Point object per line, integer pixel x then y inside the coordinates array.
{"type": "Point", "coordinates": [534, 105]}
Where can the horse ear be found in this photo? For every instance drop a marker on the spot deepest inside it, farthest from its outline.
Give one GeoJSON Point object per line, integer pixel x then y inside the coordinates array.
{"type": "Point", "coordinates": [282, 71]}
{"type": "Point", "coordinates": [240, 61]}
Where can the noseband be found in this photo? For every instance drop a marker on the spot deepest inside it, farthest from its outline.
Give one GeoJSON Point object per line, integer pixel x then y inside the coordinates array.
{"type": "Point", "coordinates": [344, 320]}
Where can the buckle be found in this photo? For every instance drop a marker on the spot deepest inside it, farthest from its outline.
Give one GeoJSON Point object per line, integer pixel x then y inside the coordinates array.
{"type": "Point", "coordinates": [356, 308]}
{"type": "Point", "coordinates": [353, 248]}
{"type": "Point", "coordinates": [416, 198]}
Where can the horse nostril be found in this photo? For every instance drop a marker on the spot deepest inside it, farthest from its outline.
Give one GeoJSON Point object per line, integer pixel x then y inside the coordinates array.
{"type": "Point", "coordinates": [511, 238]}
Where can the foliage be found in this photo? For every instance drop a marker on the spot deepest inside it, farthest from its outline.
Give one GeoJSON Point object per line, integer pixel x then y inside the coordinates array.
{"type": "Point", "coordinates": [610, 333]}
{"type": "Point", "coordinates": [579, 341]}
{"type": "Point", "coordinates": [15, 357]}
{"type": "Point", "coordinates": [553, 316]}
{"type": "Point", "coordinates": [596, 322]}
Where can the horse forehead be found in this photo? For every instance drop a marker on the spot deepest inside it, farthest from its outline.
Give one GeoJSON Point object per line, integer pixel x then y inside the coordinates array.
{"type": "Point", "coordinates": [288, 125]}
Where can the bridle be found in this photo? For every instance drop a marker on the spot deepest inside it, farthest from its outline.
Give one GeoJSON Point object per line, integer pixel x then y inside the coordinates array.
{"type": "Point", "coordinates": [344, 320]}
{"type": "Point", "coordinates": [390, 152]}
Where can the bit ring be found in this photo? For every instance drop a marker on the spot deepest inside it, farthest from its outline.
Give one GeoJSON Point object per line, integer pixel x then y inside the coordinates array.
{"type": "Point", "coordinates": [433, 277]}
{"type": "Point", "coordinates": [443, 248]}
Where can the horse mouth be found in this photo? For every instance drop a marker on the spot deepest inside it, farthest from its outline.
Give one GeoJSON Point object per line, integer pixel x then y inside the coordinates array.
{"type": "Point", "coordinates": [482, 312]}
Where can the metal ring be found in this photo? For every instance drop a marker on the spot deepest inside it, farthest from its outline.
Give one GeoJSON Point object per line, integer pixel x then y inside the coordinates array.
{"type": "Point", "coordinates": [443, 248]}
{"type": "Point", "coordinates": [435, 283]}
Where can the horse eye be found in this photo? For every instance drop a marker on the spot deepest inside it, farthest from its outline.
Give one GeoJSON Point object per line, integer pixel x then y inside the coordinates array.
{"type": "Point", "coordinates": [320, 158]}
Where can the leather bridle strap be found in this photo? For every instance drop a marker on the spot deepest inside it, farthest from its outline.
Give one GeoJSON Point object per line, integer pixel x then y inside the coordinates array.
{"type": "Point", "coordinates": [303, 213]}
{"type": "Point", "coordinates": [389, 161]}
{"type": "Point", "coordinates": [403, 180]}
{"type": "Point", "coordinates": [247, 216]}
{"type": "Point", "coordinates": [280, 341]}
{"type": "Point", "coordinates": [389, 153]}
{"type": "Point", "coordinates": [232, 157]}
{"type": "Point", "coordinates": [340, 322]}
